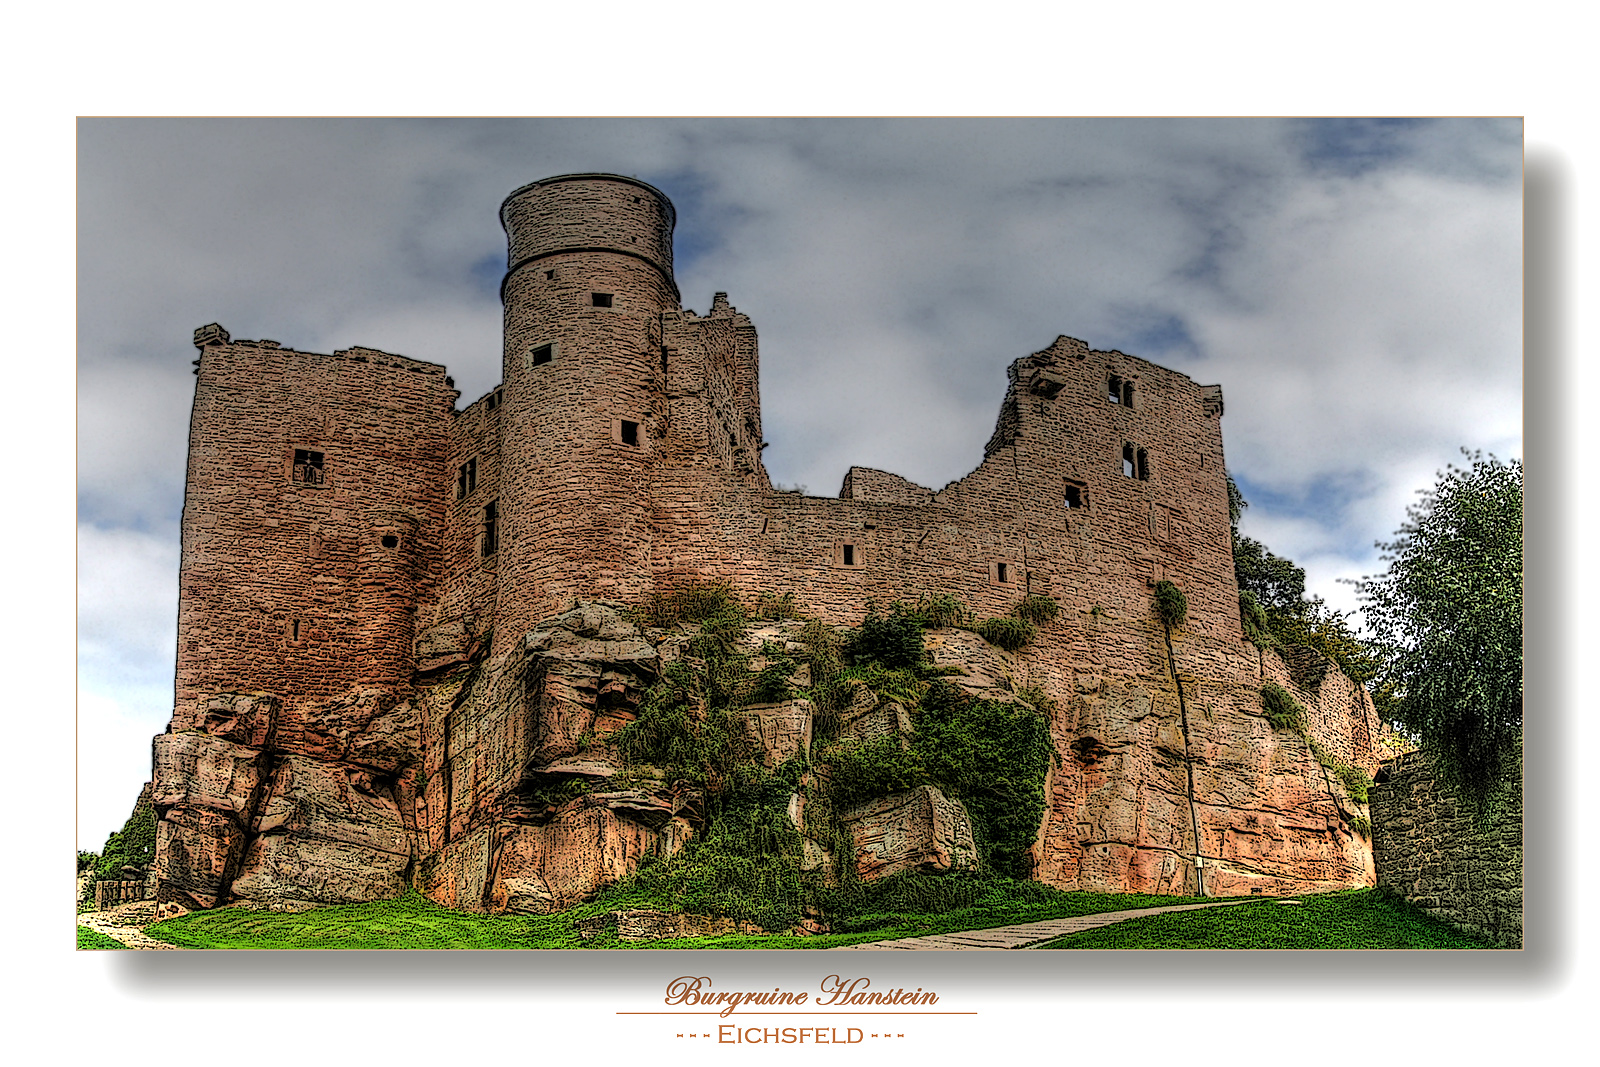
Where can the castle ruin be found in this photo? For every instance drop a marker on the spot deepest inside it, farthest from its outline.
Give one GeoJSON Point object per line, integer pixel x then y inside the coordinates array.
{"type": "Point", "coordinates": [393, 613]}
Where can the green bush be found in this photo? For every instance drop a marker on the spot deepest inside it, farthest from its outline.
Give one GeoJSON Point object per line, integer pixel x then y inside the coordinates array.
{"type": "Point", "coordinates": [1009, 633]}
{"type": "Point", "coordinates": [993, 757]}
{"type": "Point", "coordinates": [864, 770]}
{"type": "Point", "coordinates": [1253, 618]}
{"type": "Point", "coordinates": [1283, 710]}
{"type": "Point", "coordinates": [692, 602]}
{"type": "Point", "coordinates": [893, 640]}
{"type": "Point", "coordinates": [940, 611]}
{"type": "Point", "coordinates": [1037, 609]}
{"type": "Point", "coordinates": [1171, 605]}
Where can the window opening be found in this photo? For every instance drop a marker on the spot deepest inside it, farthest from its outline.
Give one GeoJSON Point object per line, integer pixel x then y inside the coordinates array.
{"type": "Point", "coordinates": [490, 528]}
{"type": "Point", "coordinates": [630, 432]}
{"type": "Point", "coordinates": [1127, 394]}
{"type": "Point", "coordinates": [467, 479]}
{"type": "Point", "coordinates": [600, 300]}
{"type": "Point", "coordinates": [1114, 389]}
{"type": "Point", "coordinates": [849, 555]}
{"type": "Point", "coordinates": [1143, 464]}
{"type": "Point", "coordinates": [1074, 496]}
{"type": "Point", "coordinates": [1128, 466]}
{"type": "Point", "coordinates": [391, 541]}
{"type": "Point", "coordinates": [549, 275]}
{"type": "Point", "coordinates": [1000, 572]}
{"type": "Point", "coordinates": [543, 354]}
{"type": "Point", "coordinates": [308, 467]}
{"type": "Point", "coordinates": [296, 628]}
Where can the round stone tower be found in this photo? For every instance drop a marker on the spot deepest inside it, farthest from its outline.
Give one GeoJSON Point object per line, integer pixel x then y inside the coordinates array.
{"type": "Point", "coordinates": [589, 276]}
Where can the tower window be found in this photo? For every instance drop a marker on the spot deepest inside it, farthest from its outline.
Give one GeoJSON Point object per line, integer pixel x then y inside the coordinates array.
{"type": "Point", "coordinates": [1000, 573]}
{"type": "Point", "coordinates": [849, 555]}
{"type": "Point", "coordinates": [466, 479]}
{"type": "Point", "coordinates": [541, 355]}
{"type": "Point", "coordinates": [549, 275]}
{"type": "Point", "coordinates": [491, 528]}
{"type": "Point", "coordinates": [307, 467]}
{"type": "Point", "coordinates": [391, 541]}
{"type": "Point", "coordinates": [1074, 496]}
{"type": "Point", "coordinates": [630, 432]}
{"type": "Point", "coordinates": [1135, 463]}
{"type": "Point", "coordinates": [1120, 391]}
{"type": "Point", "coordinates": [600, 300]}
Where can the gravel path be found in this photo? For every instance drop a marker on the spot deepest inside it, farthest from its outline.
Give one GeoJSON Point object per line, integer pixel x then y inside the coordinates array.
{"type": "Point", "coordinates": [122, 924]}
{"type": "Point", "coordinates": [1025, 935]}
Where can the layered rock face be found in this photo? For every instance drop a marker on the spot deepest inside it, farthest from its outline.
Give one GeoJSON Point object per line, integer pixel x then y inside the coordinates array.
{"type": "Point", "coordinates": [494, 788]}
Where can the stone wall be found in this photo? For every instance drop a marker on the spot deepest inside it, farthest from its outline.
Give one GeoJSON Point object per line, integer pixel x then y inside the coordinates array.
{"type": "Point", "coordinates": [1428, 848]}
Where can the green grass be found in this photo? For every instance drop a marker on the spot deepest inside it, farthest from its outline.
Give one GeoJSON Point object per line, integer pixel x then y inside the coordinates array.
{"type": "Point", "coordinates": [1358, 919]}
{"type": "Point", "coordinates": [95, 941]}
{"type": "Point", "coordinates": [412, 922]}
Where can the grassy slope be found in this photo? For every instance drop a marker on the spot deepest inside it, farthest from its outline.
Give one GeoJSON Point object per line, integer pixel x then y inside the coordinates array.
{"type": "Point", "coordinates": [94, 940]}
{"type": "Point", "coordinates": [1355, 920]}
{"type": "Point", "coordinates": [1360, 919]}
{"type": "Point", "coordinates": [414, 922]}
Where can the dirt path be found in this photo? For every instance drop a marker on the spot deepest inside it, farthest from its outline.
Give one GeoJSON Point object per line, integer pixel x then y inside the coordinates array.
{"type": "Point", "coordinates": [122, 923]}
{"type": "Point", "coordinates": [1026, 935]}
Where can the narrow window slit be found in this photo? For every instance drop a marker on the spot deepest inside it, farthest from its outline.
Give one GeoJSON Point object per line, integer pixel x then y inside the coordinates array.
{"type": "Point", "coordinates": [490, 528]}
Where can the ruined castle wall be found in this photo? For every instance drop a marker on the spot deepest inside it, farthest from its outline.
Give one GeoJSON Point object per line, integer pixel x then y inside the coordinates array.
{"type": "Point", "coordinates": [472, 470]}
{"type": "Point", "coordinates": [880, 487]}
{"type": "Point", "coordinates": [302, 580]}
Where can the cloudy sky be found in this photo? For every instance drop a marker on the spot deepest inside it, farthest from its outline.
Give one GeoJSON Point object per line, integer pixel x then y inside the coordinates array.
{"type": "Point", "coordinates": [1353, 285]}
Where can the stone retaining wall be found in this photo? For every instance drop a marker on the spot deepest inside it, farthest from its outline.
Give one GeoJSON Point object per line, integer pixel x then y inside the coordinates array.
{"type": "Point", "coordinates": [1428, 848]}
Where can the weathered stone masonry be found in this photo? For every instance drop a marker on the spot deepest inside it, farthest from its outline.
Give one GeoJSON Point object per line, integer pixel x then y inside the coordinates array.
{"type": "Point", "coordinates": [389, 637]}
{"type": "Point", "coordinates": [1433, 849]}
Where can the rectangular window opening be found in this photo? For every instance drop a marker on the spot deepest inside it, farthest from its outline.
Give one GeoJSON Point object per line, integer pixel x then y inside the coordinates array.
{"type": "Point", "coordinates": [849, 555]}
{"type": "Point", "coordinates": [1128, 467]}
{"type": "Point", "coordinates": [466, 479]}
{"type": "Point", "coordinates": [542, 355]}
{"type": "Point", "coordinates": [491, 532]}
{"type": "Point", "coordinates": [307, 467]}
{"type": "Point", "coordinates": [1001, 572]}
{"type": "Point", "coordinates": [600, 300]}
{"type": "Point", "coordinates": [1144, 465]}
{"type": "Point", "coordinates": [1127, 394]}
{"type": "Point", "coordinates": [1114, 389]}
{"type": "Point", "coordinates": [1074, 496]}
{"type": "Point", "coordinates": [630, 432]}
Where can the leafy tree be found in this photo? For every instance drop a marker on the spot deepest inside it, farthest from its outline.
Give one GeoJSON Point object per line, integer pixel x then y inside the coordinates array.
{"type": "Point", "coordinates": [1275, 611]}
{"type": "Point", "coordinates": [1275, 582]}
{"type": "Point", "coordinates": [1447, 619]}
